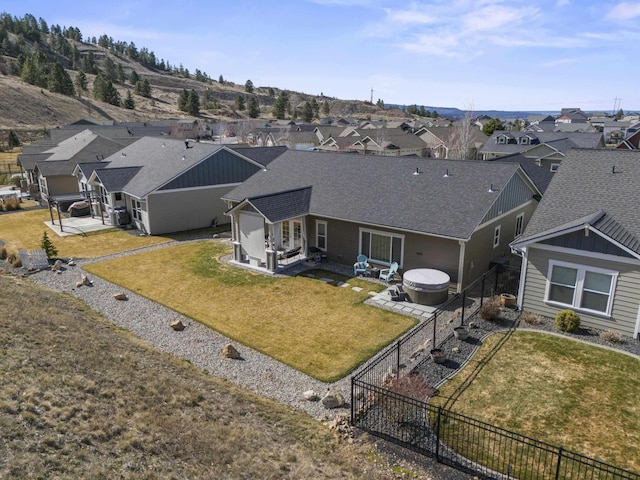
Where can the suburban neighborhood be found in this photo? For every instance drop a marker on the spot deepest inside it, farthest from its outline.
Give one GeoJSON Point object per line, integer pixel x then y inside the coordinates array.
{"type": "Point", "coordinates": [286, 285]}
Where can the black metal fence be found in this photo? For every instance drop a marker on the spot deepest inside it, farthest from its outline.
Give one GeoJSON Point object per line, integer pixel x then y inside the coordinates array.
{"type": "Point", "coordinates": [387, 400]}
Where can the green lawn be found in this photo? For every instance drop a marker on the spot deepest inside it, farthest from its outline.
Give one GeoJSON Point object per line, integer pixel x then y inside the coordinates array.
{"type": "Point", "coordinates": [318, 328]}
{"type": "Point", "coordinates": [555, 389]}
{"type": "Point", "coordinates": [25, 229]}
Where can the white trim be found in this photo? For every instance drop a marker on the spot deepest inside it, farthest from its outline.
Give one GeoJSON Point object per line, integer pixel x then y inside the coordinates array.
{"type": "Point", "coordinates": [503, 215]}
{"type": "Point", "coordinates": [552, 169]}
{"type": "Point", "coordinates": [560, 233]}
{"type": "Point", "coordinates": [637, 329]}
{"type": "Point", "coordinates": [326, 234]}
{"type": "Point", "coordinates": [523, 276]}
{"type": "Point", "coordinates": [382, 234]}
{"type": "Point", "coordinates": [520, 217]}
{"type": "Point", "coordinates": [496, 236]}
{"type": "Point", "coordinates": [579, 287]}
{"type": "Point", "coordinates": [188, 189]}
{"type": "Point", "coordinates": [586, 254]}
{"type": "Point", "coordinates": [461, 265]}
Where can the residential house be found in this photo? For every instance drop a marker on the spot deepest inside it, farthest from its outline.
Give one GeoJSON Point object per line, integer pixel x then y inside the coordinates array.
{"type": "Point", "coordinates": [452, 215]}
{"type": "Point", "coordinates": [546, 148]}
{"type": "Point", "coordinates": [169, 185]}
{"type": "Point", "coordinates": [448, 142]}
{"type": "Point", "coordinates": [581, 249]}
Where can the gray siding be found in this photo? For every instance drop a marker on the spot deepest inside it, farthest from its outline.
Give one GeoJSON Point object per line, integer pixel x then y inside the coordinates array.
{"type": "Point", "coordinates": [222, 168]}
{"type": "Point", "coordinates": [625, 303]}
{"type": "Point", "coordinates": [515, 193]}
{"type": "Point", "coordinates": [185, 209]}
{"type": "Point", "coordinates": [591, 243]}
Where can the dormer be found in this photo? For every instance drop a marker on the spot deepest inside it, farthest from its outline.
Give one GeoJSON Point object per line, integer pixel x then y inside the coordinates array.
{"type": "Point", "coordinates": [504, 138]}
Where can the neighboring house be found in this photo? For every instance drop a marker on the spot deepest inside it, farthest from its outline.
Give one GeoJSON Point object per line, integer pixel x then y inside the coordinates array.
{"type": "Point", "coordinates": [452, 215]}
{"type": "Point", "coordinates": [632, 142]}
{"type": "Point", "coordinates": [170, 185]}
{"type": "Point", "coordinates": [581, 249]}
{"type": "Point", "coordinates": [548, 149]}
{"type": "Point", "coordinates": [389, 143]}
{"type": "Point", "coordinates": [448, 142]}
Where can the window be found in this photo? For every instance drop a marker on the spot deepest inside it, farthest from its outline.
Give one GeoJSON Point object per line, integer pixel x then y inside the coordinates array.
{"type": "Point", "coordinates": [496, 237]}
{"type": "Point", "coordinates": [519, 224]}
{"type": "Point", "coordinates": [381, 247]}
{"type": "Point", "coordinates": [579, 287]}
{"type": "Point", "coordinates": [137, 209]}
{"type": "Point", "coordinates": [118, 196]}
{"type": "Point", "coordinates": [321, 234]}
{"type": "Point", "coordinates": [554, 167]}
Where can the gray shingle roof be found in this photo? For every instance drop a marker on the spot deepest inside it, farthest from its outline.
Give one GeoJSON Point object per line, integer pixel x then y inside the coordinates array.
{"type": "Point", "coordinates": [538, 174]}
{"type": "Point", "coordinates": [283, 205]}
{"type": "Point", "coordinates": [116, 179]}
{"type": "Point", "coordinates": [585, 184]}
{"type": "Point", "coordinates": [261, 155]}
{"type": "Point", "coordinates": [384, 191]}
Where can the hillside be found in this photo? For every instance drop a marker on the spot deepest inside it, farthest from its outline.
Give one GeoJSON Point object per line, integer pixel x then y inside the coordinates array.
{"type": "Point", "coordinates": [29, 108]}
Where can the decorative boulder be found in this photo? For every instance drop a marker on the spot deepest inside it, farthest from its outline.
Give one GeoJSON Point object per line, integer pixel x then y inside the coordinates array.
{"type": "Point", "coordinates": [311, 396]}
{"type": "Point", "coordinates": [120, 296]}
{"type": "Point", "coordinates": [57, 266]}
{"type": "Point", "coordinates": [229, 351]}
{"type": "Point", "coordinates": [78, 284]}
{"type": "Point", "coordinates": [86, 281]}
{"type": "Point", "coordinates": [177, 325]}
{"type": "Point", "coordinates": [333, 399]}
{"type": "Point", "coordinates": [71, 262]}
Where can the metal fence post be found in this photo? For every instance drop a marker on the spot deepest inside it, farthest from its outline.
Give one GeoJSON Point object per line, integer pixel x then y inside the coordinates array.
{"type": "Point", "coordinates": [435, 318]}
{"type": "Point", "coordinates": [559, 461]}
{"type": "Point", "coordinates": [495, 286]}
{"type": "Point", "coordinates": [353, 401]}
{"type": "Point", "coordinates": [464, 294]}
{"type": "Point", "coordinates": [438, 433]}
{"type": "Point", "coordinates": [398, 359]}
{"type": "Point", "coordinates": [482, 289]}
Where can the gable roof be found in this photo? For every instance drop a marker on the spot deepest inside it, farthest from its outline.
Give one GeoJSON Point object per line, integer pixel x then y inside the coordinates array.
{"type": "Point", "coordinates": [540, 175]}
{"type": "Point", "coordinates": [595, 188]}
{"type": "Point", "coordinates": [283, 205]}
{"type": "Point", "coordinates": [385, 191]}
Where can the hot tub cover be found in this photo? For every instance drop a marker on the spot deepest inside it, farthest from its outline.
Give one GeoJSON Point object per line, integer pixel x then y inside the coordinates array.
{"type": "Point", "coordinates": [426, 280]}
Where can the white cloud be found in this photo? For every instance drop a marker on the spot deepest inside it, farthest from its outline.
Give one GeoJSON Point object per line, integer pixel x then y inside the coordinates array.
{"type": "Point", "coordinates": [558, 62]}
{"type": "Point", "coordinates": [624, 11]}
{"type": "Point", "coordinates": [496, 17]}
{"type": "Point", "coordinates": [407, 17]}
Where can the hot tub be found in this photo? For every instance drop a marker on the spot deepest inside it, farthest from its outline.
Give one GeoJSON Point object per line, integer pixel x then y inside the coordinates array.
{"type": "Point", "coordinates": [426, 286]}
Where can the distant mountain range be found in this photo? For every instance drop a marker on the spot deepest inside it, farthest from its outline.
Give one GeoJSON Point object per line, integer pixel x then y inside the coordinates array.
{"type": "Point", "coordinates": [451, 112]}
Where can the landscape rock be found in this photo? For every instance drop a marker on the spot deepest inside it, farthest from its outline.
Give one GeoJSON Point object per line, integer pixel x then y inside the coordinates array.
{"type": "Point", "coordinates": [85, 280]}
{"type": "Point", "coordinates": [120, 296]}
{"type": "Point", "coordinates": [78, 284]}
{"type": "Point", "coordinates": [229, 351]}
{"type": "Point", "coordinates": [177, 325]}
{"type": "Point", "coordinates": [71, 262]}
{"type": "Point", "coordinates": [57, 266]}
{"type": "Point", "coordinates": [311, 395]}
{"type": "Point", "coordinates": [333, 399]}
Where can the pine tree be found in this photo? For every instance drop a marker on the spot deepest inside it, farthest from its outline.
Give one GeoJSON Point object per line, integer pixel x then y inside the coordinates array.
{"type": "Point", "coordinates": [248, 86]}
{"type": "Point", "coordinates": [307, 112]}
{"type": "Point", "coordinates": [60, 81]}
{"type": "Point", "coordinates": [183, 98]}
{"type": "Point", "coordinates": [325, 108]}
{"type": "Point", "coordinates": [13, 140]}
{"type": "Point", "coordinates": [253, 107]}
{"type": "Point", "coordinates": [133, 77]}
{"type": "Point", "coordinates": [81, 82]}
{"type": "Point", "coordinates": [129, 102]}
{"type": "Point", "coordinates": [280, 106]}
{"type": "Point", "coordinates": [193, 103]}
{"type": "Point", "coordinates": [47, 246]}
{"type": "Point", "coordinates": [240, 102]}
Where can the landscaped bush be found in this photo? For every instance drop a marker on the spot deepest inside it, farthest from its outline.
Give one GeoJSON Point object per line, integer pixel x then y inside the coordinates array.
{"type": "Point", "coordinates": [567, 321]}
{"type": "Point", "coordinates": [3, 253]}
{"type": "Point", "coordinates": [531, 318]}
{"type": "Point", "coordinates": [14, 260]}
{"type": "Point", "coordinates": [612, 337]}
{"type": "Point", "coordinates": [490, 310]}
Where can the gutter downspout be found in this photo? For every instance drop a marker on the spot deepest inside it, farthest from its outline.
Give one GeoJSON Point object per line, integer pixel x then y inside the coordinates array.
{"type": "Point", "coordinates": [462, 244]}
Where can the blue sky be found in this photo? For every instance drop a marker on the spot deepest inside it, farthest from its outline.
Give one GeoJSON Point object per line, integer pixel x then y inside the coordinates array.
{"type": "Point", "coordinates": [479, 54]}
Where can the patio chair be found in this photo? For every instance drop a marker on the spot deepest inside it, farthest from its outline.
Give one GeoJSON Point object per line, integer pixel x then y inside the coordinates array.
{"type": "Point", "coordinates": [361, 265]}
{"type": "Point", "coordinates": [388, 274]}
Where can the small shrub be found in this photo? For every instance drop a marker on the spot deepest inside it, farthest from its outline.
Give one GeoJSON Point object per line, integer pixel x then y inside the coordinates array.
{"type": "Point", "coordinates": [567, 321]}
{"type": "Point", "coordinates": [14, 260]}
{"type": "Point", "coordinates": [3, 253]}
{"type": "Point", "coordinates": [490, 309]}
{"type": "Point", "coordinates": [611, 337]}
{"type": "Point", "coordinates": [531, 318]}
{"type": "Point", "coordinates": [47, 246]}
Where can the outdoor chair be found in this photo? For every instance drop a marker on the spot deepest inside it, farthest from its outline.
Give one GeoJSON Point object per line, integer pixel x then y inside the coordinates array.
{"type": "Point", "coordinates": [388, 274]}
{"type": "Point", "coordinates": [361, 265]}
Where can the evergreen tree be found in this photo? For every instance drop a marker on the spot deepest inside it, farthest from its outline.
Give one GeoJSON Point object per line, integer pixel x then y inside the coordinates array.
{"type": "Point", "coordinates": [325, 108]}
{"type": "Point", "coordinates": [240, 102]}
{"type": "Point", "coordinates": [253, 107]}
{"type": "Point", "coordinates": [193, 103]}
{"type": "Point", "coordinates": [248, 86]}
{"type": "Point", "coordinates": [271, 92]}
{"type": "Point", "coordinates": [47, 246]}
{"type": "Point", "coordinates": [104, 90]}
{"type": "Point", "coordinates": [491, 126]}
{"type": "Point", "coordinates": [129, 102]}
{"type": "Point", "coordinates": [280, 106]}
{"type": "Point", "coordinates": [89, 64]}
{"type": "Point", "coordinates": [109, 67]}
{"type": "Point", "coordinates": [307, 112]}
{"type": "Point", "coordinates": [121, 77]}
{"type": "Point", "coordinates": [143, 88]}
{"type": "Point", "coordinates": [81, 82]}
{"type": "Point", "coordinates": [13, 140]}
{"type": "Point", "coordinates": [60, 81]}
{"type": "Point", "coordinates": [221, 80]}
{"type": "Point", "coordinates": [133, 77]}
{"type": "Point", "coordinates": [183, 98]}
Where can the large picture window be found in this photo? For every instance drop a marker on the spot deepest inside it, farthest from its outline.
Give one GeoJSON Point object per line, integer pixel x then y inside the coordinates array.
{"type": "Point", "coordinates": [381, 247]}
{"type": "Point", "coordinates": [580, 287]}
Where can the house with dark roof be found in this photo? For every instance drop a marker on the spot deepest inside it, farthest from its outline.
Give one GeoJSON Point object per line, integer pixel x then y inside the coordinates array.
{"type": "Point", "coordinates": [546, 148]}
{"type": "Point", "coordinates": [581, 249]}
{"type": "Point", "coordinates": [452, 215]}
{"type": "Point", "coordinates": [169, 185]}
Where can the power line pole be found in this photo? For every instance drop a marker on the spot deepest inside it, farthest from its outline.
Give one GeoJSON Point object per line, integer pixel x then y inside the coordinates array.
{"type": "Point", "coordinates": [371, 94]}
{"type": "Point", "coordinates": [616, 105]}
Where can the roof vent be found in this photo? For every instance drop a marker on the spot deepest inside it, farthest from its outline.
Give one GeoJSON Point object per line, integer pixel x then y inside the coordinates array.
{"type": "Point", "coordinates": [162, 144]}
{"type": "Point", "coordinates": [183, 157]}
{"type": "Point", "coordinates": [446, 174]}
{"type": "Point", "coordinates": [417, 172]}
{"type": "Point", "coordinates": [491, 189]}
{"type": "Point", "coordinates": [123, 154]}
{"type": "Point", "coordinates": [613, 169]}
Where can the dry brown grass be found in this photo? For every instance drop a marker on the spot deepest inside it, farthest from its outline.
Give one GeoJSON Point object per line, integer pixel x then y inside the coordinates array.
{"type": "Point", "coordinates": [320, 329]}
{"type": "Point", "coordinates": [557, 390]}
{"type": "Point", "coordinates": [24, 230]}
{"type": "Point", "coordinates": [80, 398]}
